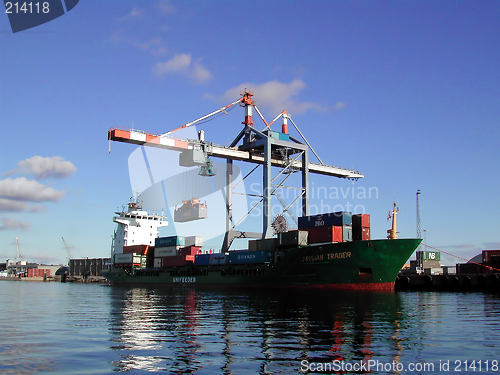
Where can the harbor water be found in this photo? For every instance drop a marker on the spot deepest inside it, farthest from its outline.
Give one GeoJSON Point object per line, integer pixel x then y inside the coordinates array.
{"type": "Point", "coordinates": [99, 329]}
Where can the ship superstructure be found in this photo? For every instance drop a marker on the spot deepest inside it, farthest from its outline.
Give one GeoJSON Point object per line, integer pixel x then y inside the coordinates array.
{"type": "Point", "coordinates": [136, 226]}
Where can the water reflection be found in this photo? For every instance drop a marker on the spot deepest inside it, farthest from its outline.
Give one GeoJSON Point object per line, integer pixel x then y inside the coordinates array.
{"type": "Point", "coordinates": [185, 330]}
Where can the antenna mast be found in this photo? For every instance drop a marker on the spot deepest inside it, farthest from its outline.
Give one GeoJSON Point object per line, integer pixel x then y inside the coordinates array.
{"type": "Point", "coordinates": [419, 233]}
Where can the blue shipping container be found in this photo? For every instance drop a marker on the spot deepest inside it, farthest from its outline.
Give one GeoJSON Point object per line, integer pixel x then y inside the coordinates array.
{"type": "Point", "coordinates": [210, 259]}
{"type": "Point", "coordinates": [202, 259]}
{"type": "Point", "coordinates": [218, 259]}
{"type": "Point", "coordinates": [170, 241]}
{"type": "Point", "coordinates": [250, 257]}
{"type": "Point", "coordinates": [340, 218]}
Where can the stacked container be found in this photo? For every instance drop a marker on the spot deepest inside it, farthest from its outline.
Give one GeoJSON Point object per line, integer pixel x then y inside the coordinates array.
{"type": "Point", "coordinates": [293, 238]}
{"type": "Point", "coordinates": [267, 244]}
{"type": "Point", "coordinates": [170, 241]}
{"type": "Point", "coordinates": [177, 261]}
{"type": "Point", "coordinates": [210, 259]}
{"type": "Point", "coordinates": [250, 257]}
{"type": "Point", "coordinates": [361, 227]}
{"type": "Point", "coordinates": [330, 227]}
{"type": "Point", "coordinates": [130, 259]}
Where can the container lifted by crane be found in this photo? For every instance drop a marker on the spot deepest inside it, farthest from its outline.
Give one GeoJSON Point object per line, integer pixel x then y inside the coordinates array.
{"type": "Point", "coordinates": [261, 147]}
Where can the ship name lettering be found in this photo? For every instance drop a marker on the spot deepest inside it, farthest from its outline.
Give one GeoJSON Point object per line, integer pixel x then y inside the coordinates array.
{"type": "Point", "coordinates": [312, 258]}
{"type": "Point", "coordinates": [184, 279]}
{"type": "Point", "coordinates": [345, 254]}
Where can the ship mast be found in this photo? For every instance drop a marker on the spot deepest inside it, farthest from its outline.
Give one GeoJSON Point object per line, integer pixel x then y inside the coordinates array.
{"type": "Point", "coordinates": [393, 233]}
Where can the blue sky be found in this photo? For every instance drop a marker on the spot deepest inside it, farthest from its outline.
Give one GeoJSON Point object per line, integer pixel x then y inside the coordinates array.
{"type": "Point", "coordinates": [407, 92]}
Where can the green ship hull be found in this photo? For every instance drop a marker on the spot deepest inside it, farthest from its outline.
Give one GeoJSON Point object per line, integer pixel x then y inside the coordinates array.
{"type": "Point", "coordinates": [362, 265]}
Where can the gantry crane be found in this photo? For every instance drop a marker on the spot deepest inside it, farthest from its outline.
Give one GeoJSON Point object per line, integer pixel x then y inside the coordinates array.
{"type": "Point", "coordinates": [262, 147]}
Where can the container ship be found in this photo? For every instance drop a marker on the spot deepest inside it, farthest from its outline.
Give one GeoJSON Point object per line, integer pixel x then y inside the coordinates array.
{"type": "Point", "coordinates": [330, 250]}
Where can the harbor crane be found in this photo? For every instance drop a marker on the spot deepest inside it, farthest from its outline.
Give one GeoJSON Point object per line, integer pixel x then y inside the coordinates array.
{"type": "Point", "coordinates": [67, 250]}
{"type": "Point", "coordinates": [264, 147]}
{"type": "Point", "coordinates": [19, 255]}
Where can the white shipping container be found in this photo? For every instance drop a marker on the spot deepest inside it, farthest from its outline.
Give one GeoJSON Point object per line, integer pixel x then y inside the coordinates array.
{"type": "Point", "coordinates": [157, 262]}
{"type": "Point", "coordinates": [194, 241]}
{"type": "Point", "coordinates": [167, 251]}
{"type": "Point", "coordinates": [128, 258]}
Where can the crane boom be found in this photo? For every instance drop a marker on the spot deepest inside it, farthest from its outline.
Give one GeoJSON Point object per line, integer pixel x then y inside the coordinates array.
{"type": "Point", "coordinates": [67, 249]}
{"type": "Point", "coordinates": [231, 153]}
{"type": "Point", "coordinates": [19, 255]}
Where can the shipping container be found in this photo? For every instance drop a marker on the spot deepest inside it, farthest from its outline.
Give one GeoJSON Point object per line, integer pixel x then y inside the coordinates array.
{"type": "Point", "coordinates": [325, 234]}
{"type": "Point", "coordinates": [210, 259]}
{"type": "Point", "coordinates": [491, 256]}
{"type": "Point", "coordinates": [323, 220]}
{"type": "Point", "coordinates": [263, 244]}
{"type": "Point", "coordinates": [193, 241]}
{"type": "Point", "coordinates": [38, 272]}
{"type": "Point", "coordinates": [135, 259]}
{"type": "Point", "coordinates": [167, 251]}
{"type": "Point", "coordinates": [202, 259]}
{"type": "Point", "coordinates": [250, 257]}
{"type": "Point", "coordinates": [253, 245]}
{"type": "Point", "coordinates": [138, 249]}
{"type": "Point", "coordinates": [218, 259]}
{"type": "Point", "coordinates": [267, 244]}
{"type": "Point", "coordinates": [347, 233]}
{"type": "Point", "coordinates": [469, 268]}
{"type": "Point", "coordinates": [170, 241]}
{"type": "Point", "coordinates": [449, 270]}
{"type": "Point", "coordinates": [178, 261]}
{"type": "Point", "coordinates": [361, 220]}
{"type": "Point", "coordinates": [293, 238]}
{"type": "Point", "coordinates": [190, 250]}
{"type": "Point", "coordinates": [431, 264]}
{"type": "Point", "coordinates": [360, 233]}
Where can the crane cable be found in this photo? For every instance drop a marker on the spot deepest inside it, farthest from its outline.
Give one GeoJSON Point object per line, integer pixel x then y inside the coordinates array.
{"type": "Point", "coordinates": [468, 261]}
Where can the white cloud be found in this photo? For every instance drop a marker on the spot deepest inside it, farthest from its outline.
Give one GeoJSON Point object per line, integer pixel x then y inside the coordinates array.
{"type": "Point", "coordinates": [22, 189]}
{"type": "Point", "coordinates": [36, 208]}
{"type": "Point", "coordinates": [44, 167]}
{"type": "Point", "coordinates": [166, 7]}
{"type": "Point", "coordinates": [178, 64]}
{"type": "Point", "coordinates": [183, 64]}
{"type": "Point", "coordinates": [275, 95]}
{"type": "Point", "coordinates": [199, 73]}
{"type": "Point", "coordinates": [134, 13]}
{"type": "Point", "coordinates": [7, 205]}
{"type": "Point", "coordinates": [10, 224]}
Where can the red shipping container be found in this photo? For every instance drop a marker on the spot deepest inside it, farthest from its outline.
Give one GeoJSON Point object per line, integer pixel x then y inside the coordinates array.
{"type": "Point", "coordinates": [328, 233]}
{"type": "Point", "coordinates": [178, 261]}
{"type": "Point", "coordinates": [30, 272]}
{"type": "Point", "coordinates": [191, 250]}
{"type": "Point", "coordinates": [361, 220]}
{"type": "Point", "coordinates": [137, 249]}
{"type": "Point", "coordinates": [365, 234]}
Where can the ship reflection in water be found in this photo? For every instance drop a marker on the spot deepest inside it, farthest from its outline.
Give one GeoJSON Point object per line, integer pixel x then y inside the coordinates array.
{"type": "Point", "coordinates": [187, 330]}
